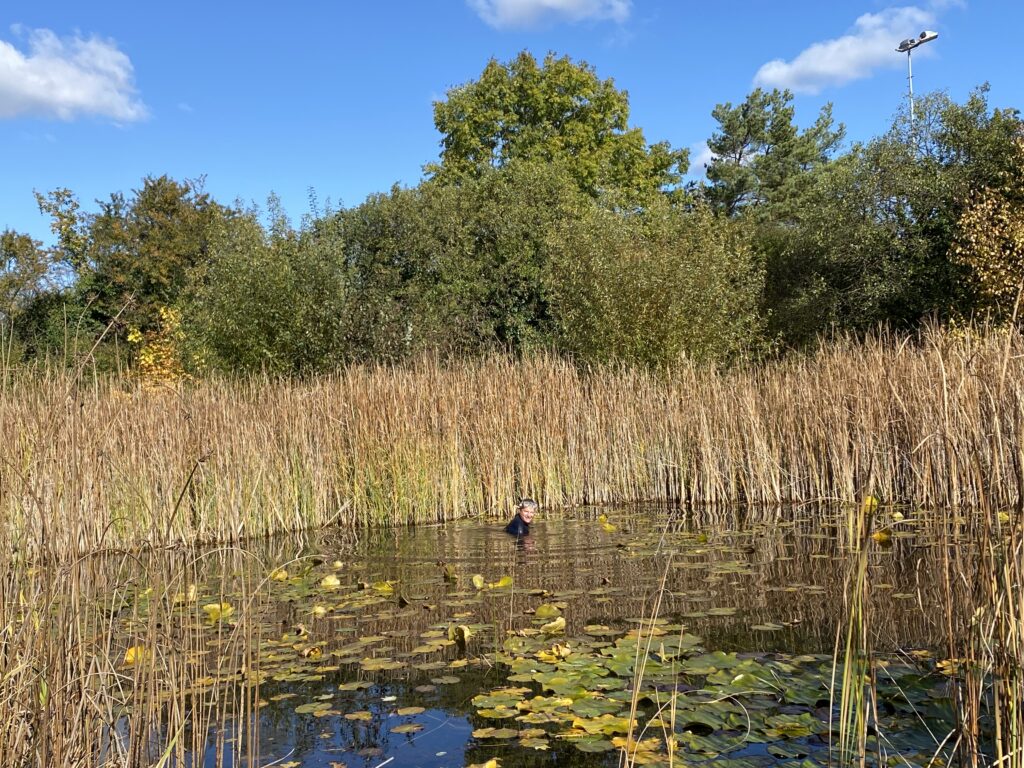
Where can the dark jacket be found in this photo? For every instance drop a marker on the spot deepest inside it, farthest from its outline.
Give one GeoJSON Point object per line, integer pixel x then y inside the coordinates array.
{"type": "Point", "coordinates": [517, 527]}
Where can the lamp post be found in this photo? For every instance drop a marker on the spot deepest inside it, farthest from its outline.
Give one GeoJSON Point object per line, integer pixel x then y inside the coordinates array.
{"type": "Point", "coordinates": [907, 46]}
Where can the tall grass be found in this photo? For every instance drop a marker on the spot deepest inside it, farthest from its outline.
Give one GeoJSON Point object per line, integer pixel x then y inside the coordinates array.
{"type": "Point", "coordinates": [106, 463]}
{"type": "Point", "coordinates": [78, 689]}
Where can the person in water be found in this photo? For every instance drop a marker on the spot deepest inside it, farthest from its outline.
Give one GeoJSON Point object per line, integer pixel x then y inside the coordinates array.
{"type": "Point", "coordinates": [520, 525]}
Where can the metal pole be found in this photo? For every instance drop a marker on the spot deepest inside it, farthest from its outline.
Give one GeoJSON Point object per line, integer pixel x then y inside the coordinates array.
{"type": "Point", "coordinates": [910, 86]}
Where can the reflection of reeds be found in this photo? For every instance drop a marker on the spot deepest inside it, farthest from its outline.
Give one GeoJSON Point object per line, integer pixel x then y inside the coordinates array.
{"type": "Point", "coordinates": [857, 685]}
{"type": "Point", "coordinates": [109, 663]}
{"type": "Point", "coordinates": [112, 465]}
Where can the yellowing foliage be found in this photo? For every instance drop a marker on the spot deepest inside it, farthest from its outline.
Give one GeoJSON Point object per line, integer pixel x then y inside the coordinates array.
{"type": "Point", "coordinates": [990, 239]}
{"type": "Point", "coordinates": [160, 351]}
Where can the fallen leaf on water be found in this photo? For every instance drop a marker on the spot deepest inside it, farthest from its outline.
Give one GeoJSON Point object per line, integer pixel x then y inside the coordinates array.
{"type": "Point", "coordinates": [136, 654]}
{"type": "Point", "coordinates": [882, 537]}
{"type": "Point", "coordinates": [188, 596]}
{"type": "Point", "coordinates": [558, 625]}
{"type": "Point", "coordinates": [330, 581]}
{"type": "Point", "coordinates": [218, 611]}
{"type": "Point", "coordinates": [279, 574]}
{"type": "Point", "coordinates": [407, 728]}
{"type": "Point", "coordinates": [478, 581]}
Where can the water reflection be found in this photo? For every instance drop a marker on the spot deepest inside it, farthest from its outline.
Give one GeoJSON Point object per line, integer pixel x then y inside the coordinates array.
{"type": "Point", "coordinates": [741, 580]}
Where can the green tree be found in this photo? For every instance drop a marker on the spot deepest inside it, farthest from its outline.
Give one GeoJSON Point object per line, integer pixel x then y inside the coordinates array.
{"type": "Point", "coordinates": [24, 268]}
{"type": "Point", "coordinates": [760, 156]}
{"type": "Point", "coordinates": [268, 299]}
{"type": "Point", "coordinates": [457, 267]}
{"type": "Point", "coordinates": [136, 251]}
{"type": "Point", "coordinates": [556, 111]}
{"type": "Point", "coordinates": [24, 271]}
{"type": "Point", "coordinates": [870, 240]}
{"type": "Point", "coordinates": [653, 286]}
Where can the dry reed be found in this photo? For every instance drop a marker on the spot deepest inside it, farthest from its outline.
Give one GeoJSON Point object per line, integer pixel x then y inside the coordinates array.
{"type": "Point", "coordinates": [108, 464]}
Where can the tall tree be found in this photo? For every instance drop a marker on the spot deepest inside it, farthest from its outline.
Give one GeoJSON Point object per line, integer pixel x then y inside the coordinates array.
{"type": "Point", "coordinates": [135, 251]}
{"type": "Point", "coordinates": [760, 156]}
{"type": "Point", "coordinates": [556, 111]}
{"type": "Point", "coordinates": [24, 267]}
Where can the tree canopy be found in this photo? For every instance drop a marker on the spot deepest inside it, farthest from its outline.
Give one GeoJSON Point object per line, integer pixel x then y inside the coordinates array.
{"type": "Point", "coordinates": [555, 111]}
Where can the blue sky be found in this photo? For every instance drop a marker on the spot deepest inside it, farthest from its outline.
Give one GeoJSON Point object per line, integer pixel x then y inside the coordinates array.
{"type": "Point", "coordinates": [336, 96]}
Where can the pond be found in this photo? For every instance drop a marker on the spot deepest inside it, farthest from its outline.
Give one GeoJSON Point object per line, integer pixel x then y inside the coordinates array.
{"type": "Point", "coordinates": [455, 644]}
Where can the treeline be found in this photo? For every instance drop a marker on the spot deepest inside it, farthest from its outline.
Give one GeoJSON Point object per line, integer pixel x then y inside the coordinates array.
{"type": "Point", "coordinates": [548, 222]}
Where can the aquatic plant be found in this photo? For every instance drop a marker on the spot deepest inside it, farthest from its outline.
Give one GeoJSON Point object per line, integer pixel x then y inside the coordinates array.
{"type": "Point", "coordinates": [220, 460]}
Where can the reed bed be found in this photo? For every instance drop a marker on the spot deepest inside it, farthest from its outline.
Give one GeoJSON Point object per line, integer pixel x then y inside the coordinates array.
{"type": "Point", "coordinates": [78, 689]}
{"type": "Point", "coordinates": [107, 463]}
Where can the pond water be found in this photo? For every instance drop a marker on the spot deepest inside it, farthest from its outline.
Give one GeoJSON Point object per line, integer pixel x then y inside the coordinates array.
{"type": "Point", "coordinates": [455, 644]}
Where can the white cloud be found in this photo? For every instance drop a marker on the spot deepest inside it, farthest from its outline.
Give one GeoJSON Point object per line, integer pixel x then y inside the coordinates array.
{"type": "Point", "coordinates": [700, 157]}
{"type": "Point", "coordinates": [524, 13]}
{"type": "Point", "coordinates": [67, 78]}
{"type": "Point", "coordinates": [869, 46]}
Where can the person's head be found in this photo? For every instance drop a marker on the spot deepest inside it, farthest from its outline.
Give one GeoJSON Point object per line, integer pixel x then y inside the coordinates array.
{"type": "Point", "coordinates": [526, 509]}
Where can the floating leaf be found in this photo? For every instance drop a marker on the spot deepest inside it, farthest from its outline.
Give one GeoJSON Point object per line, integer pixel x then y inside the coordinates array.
{"type": "Point", "coordinates": [533, 743]}
{"type": "Point", "coordinates": [279, 574]}
{"type": "Point", "coordinates": [355, 685]}
{"type": "Point", "coordinates": [498, 712]}
{"type": "Point", "coordinates": [330, 581]}
{"type": "Point", "coordinates": [136, 654]}
{"type": "Point", "coordinates": [407, 728]}
{"type": "Point", "coordinates": [380, 664]}
{"type": "Point", "coordinates": [495, 733]}
{"type": "Point", "coordinates": [478, 581]}
{"type": "Point", "coordinates": [312, 708]}
{"type": "Point", "coordinates": [553, 627]}
{"type": "Point", "coordinates": [218, 611]}
{"type": "Point", "coordinates": [547, 611]}
{"type": "Point", "coordinates": [360, 715]}
{"type": "Point", "coordinates": [405, 711]}
{"type": "Point", "coordinates": [188, 596]}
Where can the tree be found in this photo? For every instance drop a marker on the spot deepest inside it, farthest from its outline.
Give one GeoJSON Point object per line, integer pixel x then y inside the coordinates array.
{"type": "Point", "coordinates": [653, 286]}
{"type": "Point", "coordinates": [457, 267]}
{"type": "Point", "coordinates": [272, 299]}
{"type": "Point", "coordinates": [558, 111]}
{"type": "Point", "coordinates": [24, 269]}
{"type": "Point", "coordinates": [136, 251]}
{"type": "Point", "coordinates": [990, 239]}
{"type": "Point", "coordinates": [760, 156]}
{"type": "Point", "coordinates": [870, 241]}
